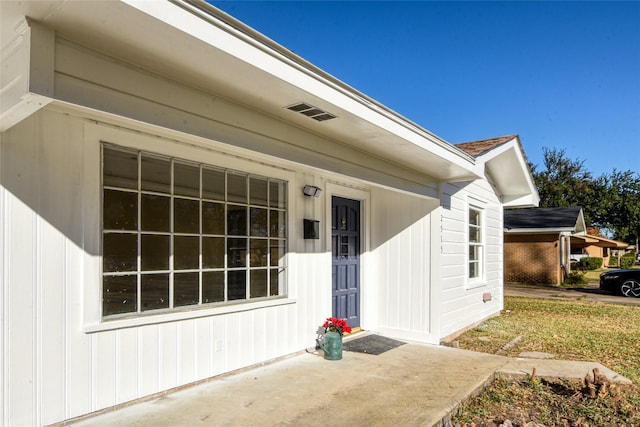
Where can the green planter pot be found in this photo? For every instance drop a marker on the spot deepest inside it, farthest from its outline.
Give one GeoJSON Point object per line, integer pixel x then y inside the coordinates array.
{"type": "Point", "coordinates": [332, 346]}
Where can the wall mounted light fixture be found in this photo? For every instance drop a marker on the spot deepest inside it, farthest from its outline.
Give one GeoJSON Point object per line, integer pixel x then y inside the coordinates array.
{"type": "Point", "coordinates": [311, 190]}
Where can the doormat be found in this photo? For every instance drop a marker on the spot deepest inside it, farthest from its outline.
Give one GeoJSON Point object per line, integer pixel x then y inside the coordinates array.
{"type": "Point", "coordinates": [371, 344]}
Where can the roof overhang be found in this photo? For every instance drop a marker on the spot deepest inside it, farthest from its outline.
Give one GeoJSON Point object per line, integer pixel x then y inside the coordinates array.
{"type": "Point", "coordinates": [583, 239]}
{"type": "Point", "coordinates": [601, 242]}
{"type": "Point", "coordinates": [566, 231]}
{"type": "Point", "coordinates": [579, 229]}
{"type": "Point", "coordinates": [201, 46]}
{"type": "Point", "coordinates": [508, 169]}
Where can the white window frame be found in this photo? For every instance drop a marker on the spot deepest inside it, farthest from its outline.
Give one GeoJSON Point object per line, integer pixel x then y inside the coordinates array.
{"type": "Point", "coordinates": [179, 311]}
{"type": "Point", "coordinates": [480, 246]}
{"type": "Point", "coordinates": [148, 139]}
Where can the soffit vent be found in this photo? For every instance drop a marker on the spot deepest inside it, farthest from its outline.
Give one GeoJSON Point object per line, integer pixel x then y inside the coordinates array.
{"type": "Point", "coordinates": [310, 111]}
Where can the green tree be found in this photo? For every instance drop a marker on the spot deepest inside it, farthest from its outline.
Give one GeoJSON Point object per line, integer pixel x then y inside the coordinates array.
{"type": "Point", "coordinates": [565, 182]}
{"type": "Point", "coordinates": [619, 204]}
{"type": "Point", "coordinates": [611, 201]}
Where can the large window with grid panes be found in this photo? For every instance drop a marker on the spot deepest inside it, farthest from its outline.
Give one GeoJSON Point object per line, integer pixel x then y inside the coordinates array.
{"type": "Point", "coordinates": [476, 243]}
{"type": "Point", "coordinates": [179, 235]}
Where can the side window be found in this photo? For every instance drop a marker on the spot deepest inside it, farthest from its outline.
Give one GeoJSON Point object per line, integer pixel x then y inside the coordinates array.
{"type": "Point", "coordinates": [476, 243]}
{"type": "Point", "coordinates": [178, 234]}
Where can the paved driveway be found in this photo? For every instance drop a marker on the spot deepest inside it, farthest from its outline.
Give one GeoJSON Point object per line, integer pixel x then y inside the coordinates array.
{"type": "Point", "coordinates": [590, 293]}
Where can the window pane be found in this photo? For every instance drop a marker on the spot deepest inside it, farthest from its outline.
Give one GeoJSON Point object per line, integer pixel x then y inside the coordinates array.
{"type": "Point", "coordinates": [236, 188]}
{"type": "Point", "coordinates": [258, 191]}
{"type": "Point", "coordinates": [258, 221]}
{"type": "Point", "coordinates": [212, 286]}
{"type": "Point", "coordinates": [120, 252]}
{"type": "Point", "coordinates": [258, 253]}
{"type": "Point", "coordinates": [156, 174]}
{"type": "Point", "coordinates": [155, 291]}
{"type": "Point", "coordinates": [236, 252]}
{"type": "Point", "coordinates": [186, 289]}
{"type": "Point", "coordinates": [277, 226]}
{"type": "Point", "coordinates": [212, 252]}
{"type": "Point", "coordinates": [474, 217]}
{"type": "Point", "coordinates": [213, 184]}
{"type": "Point", "coordinates": [119, 294]}
{"type": "Point", "coordinates": [258, 283]}
{"type": "Point", "coordinates": [186, 216]}
{"type": "Point", "coordinates": [276, 194]}
{"type": "Point", "coordinates": [212, 218]}
{"type": "Point", "coordinates": [155, 213]}
{"type": "Point", "coordinates": [473, 269]}
{"type": "Point", "coordinates": [345, 247]}
{"type": "Point", "coordinates": [186, 251]}
{"type": "Point", "coordinates": [474, 234]}
{"type": "Point", "coordinates": [237, 285]}
{"type": "Point", "coordinates": [154, 252]}
{"type": "Point", "coordinates": [274, 284]}
{"type": "Point", "coordinates": [120, 169]}
{"type": "Point", "coordinates": [474, 253]}
{"type": "Point", "coordinates": [237, 220]}
{"type": "Point", "coordinates": [186, 180]}
{"type": "Point", "coordinates": [276, 251]}
{"type": "Point", "coordinates": [120, 210]}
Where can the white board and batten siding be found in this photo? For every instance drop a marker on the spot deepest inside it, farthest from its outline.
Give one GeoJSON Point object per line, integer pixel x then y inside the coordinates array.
{"type": "Point", "coordinates": [60, 360]}
{"type": "Point", "coordinates": [63, 361]}
{"type": "Point", "coordinates": [403, 263]}
{"type": "Point", "coordinates": [461, 302]}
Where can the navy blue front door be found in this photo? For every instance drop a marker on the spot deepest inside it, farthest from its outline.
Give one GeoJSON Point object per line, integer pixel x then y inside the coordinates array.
{"type": "Point", "coordinates": [345, 242]}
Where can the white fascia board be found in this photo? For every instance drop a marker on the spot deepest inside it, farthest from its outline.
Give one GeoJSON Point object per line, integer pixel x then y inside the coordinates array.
{"type": "Point", "coordinates": [538, 230]}
{"type": "Point", "coordinates": [26, 81]}
{"type": "Point", "coordinates": [521, 201]}
{"type": "Point", "coordinates": [510, 171]}
{"type": "Point", "coordinates": [29, 104]}
{"type": "Point", "coordinates": [211, 26]}
{"type": "Point", "coordinates": [580, 224]}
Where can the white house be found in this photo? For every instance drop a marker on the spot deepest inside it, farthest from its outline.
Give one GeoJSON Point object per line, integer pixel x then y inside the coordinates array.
{"type": "Point", "coordinates": [155, 228]}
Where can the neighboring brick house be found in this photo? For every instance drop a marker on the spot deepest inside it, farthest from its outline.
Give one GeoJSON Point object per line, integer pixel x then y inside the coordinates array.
{"type": "Point", "coordinates": [537, 243]}
{"type": "Point", "coordinates": [597, 246]}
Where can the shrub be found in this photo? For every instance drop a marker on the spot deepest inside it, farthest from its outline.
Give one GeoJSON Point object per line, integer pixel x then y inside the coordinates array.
{"type": "Point", "coordinates": [628, 260]}
{"type": "Point", "coordinates": [591, 263]}
{"type": "Point", "coordinates": [575, 278]}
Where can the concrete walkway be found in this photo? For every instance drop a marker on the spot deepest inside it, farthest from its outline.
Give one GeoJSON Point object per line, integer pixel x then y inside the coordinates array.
{"type": "Point", "coordinates": [411, 385]}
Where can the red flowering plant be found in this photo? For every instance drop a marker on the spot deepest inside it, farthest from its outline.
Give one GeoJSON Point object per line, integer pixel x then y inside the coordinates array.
{"type": "Point", "coordinates": [333, 324]}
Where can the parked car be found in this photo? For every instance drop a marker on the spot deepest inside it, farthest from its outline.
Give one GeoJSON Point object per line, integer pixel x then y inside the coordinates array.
{"type": "Point", "coordinates": [625, 282]}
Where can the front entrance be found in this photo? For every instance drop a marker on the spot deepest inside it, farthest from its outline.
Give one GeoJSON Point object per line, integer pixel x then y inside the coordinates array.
{"type": "Point", "coordinates": [345, 243]}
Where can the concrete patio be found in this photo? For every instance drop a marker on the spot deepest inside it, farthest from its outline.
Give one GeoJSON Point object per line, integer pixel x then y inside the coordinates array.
{"type": "Point", "coordinates": [411, 385]}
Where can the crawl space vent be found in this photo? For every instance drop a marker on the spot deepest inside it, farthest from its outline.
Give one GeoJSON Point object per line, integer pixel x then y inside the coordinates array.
{"type": "Point", "coordinates": [311, 111]}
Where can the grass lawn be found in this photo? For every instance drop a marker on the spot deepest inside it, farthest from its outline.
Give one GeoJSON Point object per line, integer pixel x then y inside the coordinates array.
{"type": "Point", "coordinates": [572, 330]}
{"type": "Point", "coordinates": [594, 275]}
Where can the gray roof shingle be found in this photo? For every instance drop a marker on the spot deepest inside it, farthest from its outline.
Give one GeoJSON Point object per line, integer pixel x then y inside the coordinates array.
{"type": "Point", "coordinates": [542, 218]}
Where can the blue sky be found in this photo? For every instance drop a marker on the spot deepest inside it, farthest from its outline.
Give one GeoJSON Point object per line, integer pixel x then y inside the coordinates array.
{"type": "Point", "coordinates": [562, 75]}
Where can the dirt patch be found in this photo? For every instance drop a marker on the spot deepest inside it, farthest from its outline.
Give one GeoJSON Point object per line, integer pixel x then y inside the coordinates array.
{"type": "Point", "coordinates": [534, 402]}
